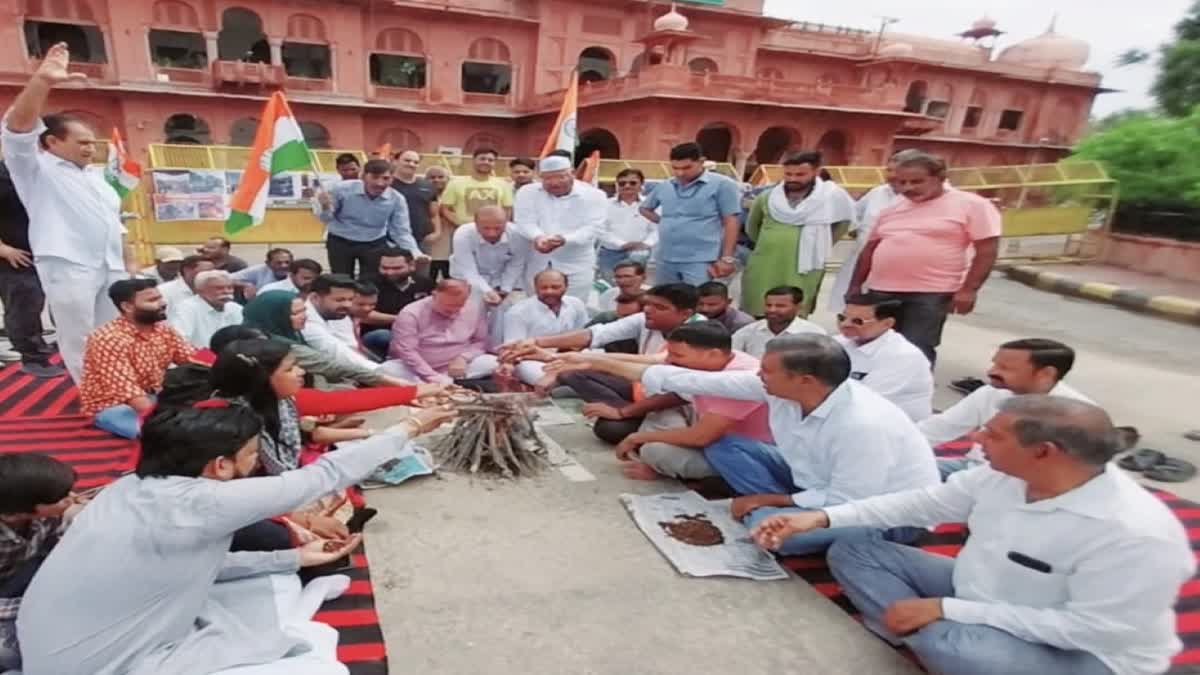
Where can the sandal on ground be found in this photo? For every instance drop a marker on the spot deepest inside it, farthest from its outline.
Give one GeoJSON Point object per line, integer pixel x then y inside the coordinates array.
{"type": "Point", "coordinates": [1141, 460]}
{"type": "Point", "coordinates": [1171, 470]}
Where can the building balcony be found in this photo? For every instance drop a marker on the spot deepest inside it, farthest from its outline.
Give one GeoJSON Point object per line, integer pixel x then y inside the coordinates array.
{"type": "Point", "coordinates": [680, 81]}
{"type": "Point", "coordinates": [199, 77]}
{"type": "Point", "coordinates": [383, 93]}
{"type": "Point", "coordinates": [308, 84]}
{"type": "Point", "coordinates": [247, 73]}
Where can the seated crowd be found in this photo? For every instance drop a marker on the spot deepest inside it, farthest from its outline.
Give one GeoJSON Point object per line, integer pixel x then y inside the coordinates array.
{"type": "Point", "coordinates": [239, 379]}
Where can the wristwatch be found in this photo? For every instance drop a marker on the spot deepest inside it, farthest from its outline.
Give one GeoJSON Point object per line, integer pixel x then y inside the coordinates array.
{"type": "Point", "coordinates": [728, 259]}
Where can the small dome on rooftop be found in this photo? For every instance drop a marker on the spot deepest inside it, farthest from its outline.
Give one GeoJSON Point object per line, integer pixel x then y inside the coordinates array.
{"type": "Point", "coordinates": [896, 49]}
{"type": "Point", "coordinates": [1048, 50]}
{"type": "Point", "coordinates": [672, 20]}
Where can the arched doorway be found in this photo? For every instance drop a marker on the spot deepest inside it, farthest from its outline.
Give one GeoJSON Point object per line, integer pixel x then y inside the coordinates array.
{"type": "Point", "coordinates": [703, 65]}
{"type": "Point", "coordinates": [596, 64]}
{"type": "Point", "coordinates": [243, 130]}
{"type": "Point", "coordinates": [833, 148]}
{"type": "Point", "coordinates": [187, 129]}
{"type": "Point", "coordinates": [316, 136]}
{"type": "Point", "coordinates": [599, 139]}
{"type": "Point", "coordinates": [242, 38]}
{"type": "Point", "coordinates": [717, 140]}
{"type": "Point", "coordinates": [774, 143]}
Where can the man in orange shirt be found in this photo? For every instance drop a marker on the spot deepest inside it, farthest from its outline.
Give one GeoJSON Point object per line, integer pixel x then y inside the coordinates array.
{"type": "Point", "coordinates": [919, 250]}
{"type": "Point", "coordinates": [125, 360]}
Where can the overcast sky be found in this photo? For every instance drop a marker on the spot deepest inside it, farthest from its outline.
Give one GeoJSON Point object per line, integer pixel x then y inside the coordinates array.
{"type": "Point", "coordinates": [1111, 26]}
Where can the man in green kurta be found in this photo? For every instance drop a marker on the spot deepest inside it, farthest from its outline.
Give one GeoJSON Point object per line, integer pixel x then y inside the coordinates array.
{"type": "Point", "coordinates": [794, 226]}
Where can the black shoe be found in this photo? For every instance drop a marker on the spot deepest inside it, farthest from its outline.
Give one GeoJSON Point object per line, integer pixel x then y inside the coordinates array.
{"type": "Point", "coordinates": [967, 384]}
{"type": "Point", "coordinates": [43, 370]}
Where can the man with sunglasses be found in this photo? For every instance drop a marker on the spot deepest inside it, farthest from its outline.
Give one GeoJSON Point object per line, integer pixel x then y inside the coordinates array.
{"type": "Point", "coordinates": [882, 359]}
{"type": "Point", "coordinates": [627, 234]}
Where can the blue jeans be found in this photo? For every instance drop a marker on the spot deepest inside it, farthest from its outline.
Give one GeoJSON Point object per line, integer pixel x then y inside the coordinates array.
{"type": "Point", "coordinates": [377, 341]}
{"type": "Point", "coordinates": [120, 420]}
{"type": "Point", "coordinates": [875, 573]}
{"type": "Point", "coordinates": [694, 273]}
{"type": "Point", "coordinates": [755, 468]}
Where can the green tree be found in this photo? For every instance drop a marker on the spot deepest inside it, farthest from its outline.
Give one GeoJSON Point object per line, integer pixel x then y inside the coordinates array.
{"type": "Point", "coordinates": [1177, 87]}
{"type": "Point", "coordinates": [1153, 157]}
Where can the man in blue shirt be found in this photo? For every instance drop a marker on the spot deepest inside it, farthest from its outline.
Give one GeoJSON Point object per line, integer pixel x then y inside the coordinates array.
{"type": "Point", "coordinates": [363, 217]}
{"type": "Point", "coordinates": [698, 228]}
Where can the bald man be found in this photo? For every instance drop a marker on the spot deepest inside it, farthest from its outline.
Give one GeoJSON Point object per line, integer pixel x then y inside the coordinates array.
{"type": "Point", "coordinates": [1071, 567]}
{"type": "Point", "coordinates": [561, 217]}
{"type": "Point", "coordinates": [488, 256]}
{"type": "Point", "coordinates": [550, 312]}
{"type": "Point", "coordinates": [441, 339]}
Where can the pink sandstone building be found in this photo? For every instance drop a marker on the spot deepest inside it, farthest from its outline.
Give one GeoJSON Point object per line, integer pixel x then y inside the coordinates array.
{"type": "Point", "coordinates": [454, 75]}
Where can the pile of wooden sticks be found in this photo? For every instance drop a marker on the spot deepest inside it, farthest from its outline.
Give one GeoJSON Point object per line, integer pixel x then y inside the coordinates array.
{"type": "Point", "coordinates": [494, 435]}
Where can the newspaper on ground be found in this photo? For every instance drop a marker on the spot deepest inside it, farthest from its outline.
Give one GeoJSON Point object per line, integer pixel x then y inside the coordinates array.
{"type": "Point", "coordinates": [413, 460]}
{"type": "Point", "coordinates": [700, 538]}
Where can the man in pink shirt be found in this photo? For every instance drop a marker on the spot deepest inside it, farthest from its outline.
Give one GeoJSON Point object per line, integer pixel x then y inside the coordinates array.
{"type": "Point", "coordinates": [655, 450]}
{"type": "Point", "coordinates": [442, 338]}
{"type": "Point", "coordinates": [919, 251]}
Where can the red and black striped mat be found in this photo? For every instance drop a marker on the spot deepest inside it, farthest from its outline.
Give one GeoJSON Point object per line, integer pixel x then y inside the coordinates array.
{"type": "Point", "coordinates": [43, 416]}
{"type": "Point", "coordinates": [948, 540]}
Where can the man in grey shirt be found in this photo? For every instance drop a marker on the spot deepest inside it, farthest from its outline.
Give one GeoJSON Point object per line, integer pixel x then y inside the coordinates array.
{"type": "Point", "coordinates": [363, 217]}
{"type": "Point", "coordinates": [419, 194]}
{"type": "Point", "coordinates": [135, 586]}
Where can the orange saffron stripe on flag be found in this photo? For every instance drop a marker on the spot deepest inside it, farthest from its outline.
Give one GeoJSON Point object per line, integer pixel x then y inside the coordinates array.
{"type": "Point", "coordinates": [570, 103]}
{"type": "Point", "coordinates": [255, 175]}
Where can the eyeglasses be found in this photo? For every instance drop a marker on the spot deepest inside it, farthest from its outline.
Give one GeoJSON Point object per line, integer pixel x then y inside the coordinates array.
{"type": "Point", "coordinates": [623, 183]}
{"type": "Point", "coordinates": [856, 321]}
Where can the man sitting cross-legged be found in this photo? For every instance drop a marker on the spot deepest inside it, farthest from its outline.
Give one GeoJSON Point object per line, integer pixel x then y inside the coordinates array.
{"type": "Point", "coordinates": [144, 582]}
{"type": "Point", "coordinates": [1028, 366]}
{"type": "Point", "coordinates": [835, 439]}
{"type": "Point", "coordinates": [782, 305]}
{"type": "Point", "coordinates": [442, 338]}
{"type": "Point", "coordinates": [883, 359]}
{"type": "Point", "coordinates": [678, 451]}
{"type": "Point", "coordinates": [1071, 566]}
{"type": "Point", "coordinates": [610, 398]}
{"type": "Point", "coordinates": [209, 310]}
{"type": "Point", "coordinates": [551, 312]}
{"type": "Point", "coordinates": [125, 360]}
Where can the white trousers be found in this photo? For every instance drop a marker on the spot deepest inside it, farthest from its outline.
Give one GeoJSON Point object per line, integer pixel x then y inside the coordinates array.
{"type": "Point", "coordinates": [480, 366]}
{"type": "Point", "coordinates": [530, 372]}
{"type": "Point", "coordinates": [77, 296]}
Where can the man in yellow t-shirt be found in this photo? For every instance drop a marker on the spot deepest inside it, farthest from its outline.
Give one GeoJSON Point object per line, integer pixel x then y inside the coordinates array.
{"type": "Point", "coordinates": [465, 195]}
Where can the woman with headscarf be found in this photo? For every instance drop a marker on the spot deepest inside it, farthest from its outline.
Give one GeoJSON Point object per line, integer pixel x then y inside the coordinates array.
{"type": "Point", "coordinates": [280, 315]}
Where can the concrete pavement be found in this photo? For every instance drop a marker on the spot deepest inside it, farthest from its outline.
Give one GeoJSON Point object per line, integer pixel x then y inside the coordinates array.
{"type": "Point", "coordinates": [1126, 288]}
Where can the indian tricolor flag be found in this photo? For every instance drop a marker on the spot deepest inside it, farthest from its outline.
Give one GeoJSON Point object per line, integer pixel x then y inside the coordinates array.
{"type": "Point", "coordinates": [278, 147]}
{"type": "Point", "coordinates": [563, 136]}
{"type": "Point", "coordinates": [121, 172]}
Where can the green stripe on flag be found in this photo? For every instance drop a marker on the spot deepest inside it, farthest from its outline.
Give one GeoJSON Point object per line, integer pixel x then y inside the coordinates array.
{"type": "Point", "coordinates": [237, 222]}
{"type": "Point", "coordinates": [291, 156]}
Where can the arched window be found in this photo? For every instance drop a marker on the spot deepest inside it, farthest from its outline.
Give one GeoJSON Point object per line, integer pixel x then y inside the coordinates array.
{"type": "Point", "coordinates": [242, 38]}
{"type": "Point", "coordinates": [914, 101]}
{"type": "Point", "coordinates": [596, 64]}
{"type": "Point", "coordinates": [305, 52]}
{"type": "Point", "coordinates": [482, 140]}
{"type": "Point", "coordinates": [774, 143]}
{"type": "Point", "coordinates": [175, 40]}
{"type": "Point", "coordinates": [398, 60]}
{"type": "Point", "coordinates": [316, 136]}
{"type": "Point", "coordinates": [242, 132]}
{"type": "Point", "coordinates": [718, 141]}
{"type": "Point", "coordinates": [940, 97]}
{"type": "Point", "coordinates": [85, 40]}
{"type": "Point", "coordinates": [400, 139]}
{"type": "Point", "coordinates": [703, 65]}
{"type": "Point", "coordinates": [834, 147]}
{"type": "Point", "coordinates": [488, 69]}
{"type": "Point", "coordinates": [185, 128]}
{"type": "Point", "coordinates": [973, 117]}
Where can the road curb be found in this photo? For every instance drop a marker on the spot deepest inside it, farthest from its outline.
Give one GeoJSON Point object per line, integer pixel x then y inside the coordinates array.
{"type": "Point", "coordinates": [1170, 306]}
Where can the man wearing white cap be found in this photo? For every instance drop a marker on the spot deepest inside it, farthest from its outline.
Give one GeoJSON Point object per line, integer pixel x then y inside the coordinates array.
{"type": "Point", "coordinates": [167, 261]}
{"type": "Point", "coordinates": [561, 217]}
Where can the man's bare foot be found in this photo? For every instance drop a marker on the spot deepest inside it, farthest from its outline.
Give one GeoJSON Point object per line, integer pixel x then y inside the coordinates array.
{"type": "Point", "coordinates": [639, 471]}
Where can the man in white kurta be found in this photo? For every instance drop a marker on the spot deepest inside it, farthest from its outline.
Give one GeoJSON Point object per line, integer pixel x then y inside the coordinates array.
{"type": "Point", "coordinates": [209, 310]}
{"type": "Point", "coordinates": [550, 312]}
{"type": "Point", "coordinates": [75, 227]}
{"type": "Point", "coordinates": [835, 440]}
{"type": "Point", "coordinates": [490, 257]}
{"type": "Point", "coordinates": [561, 218]}
{"type": "Point", "coordinates": [883, 359]}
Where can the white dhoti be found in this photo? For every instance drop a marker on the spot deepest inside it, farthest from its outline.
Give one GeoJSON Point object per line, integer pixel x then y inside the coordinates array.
{"type": "Point", "coordinates": [530, 372]}
{"type": "Point", "coordinates": [77, 296]}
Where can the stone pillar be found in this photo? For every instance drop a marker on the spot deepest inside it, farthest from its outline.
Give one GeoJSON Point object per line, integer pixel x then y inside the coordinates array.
{"type": "Point", "coordinates": [210, 46]}
{"type": "Point", "coordinates": [276, 51]}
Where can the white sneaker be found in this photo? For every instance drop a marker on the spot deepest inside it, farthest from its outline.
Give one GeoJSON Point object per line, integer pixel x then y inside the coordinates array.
{"type": "Point", "coordinates": [9, 356]}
